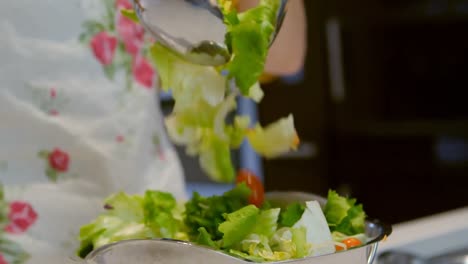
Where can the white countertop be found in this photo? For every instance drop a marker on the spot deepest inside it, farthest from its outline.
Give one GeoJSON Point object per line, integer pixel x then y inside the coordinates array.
{"type": "Point", "coordinates": [430, 236]}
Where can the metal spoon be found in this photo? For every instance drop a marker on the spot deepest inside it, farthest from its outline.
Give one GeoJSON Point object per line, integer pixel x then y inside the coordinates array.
{"type": "Point", "coordinates": [192, 28]}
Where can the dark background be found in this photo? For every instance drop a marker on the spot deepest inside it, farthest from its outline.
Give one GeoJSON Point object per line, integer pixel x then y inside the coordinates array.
{"type": "Point", "coordinates": [395, 133]}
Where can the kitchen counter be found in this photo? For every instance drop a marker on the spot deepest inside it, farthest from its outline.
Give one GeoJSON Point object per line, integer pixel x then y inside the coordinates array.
{"type": "Point", "coordinates": [432, 236]}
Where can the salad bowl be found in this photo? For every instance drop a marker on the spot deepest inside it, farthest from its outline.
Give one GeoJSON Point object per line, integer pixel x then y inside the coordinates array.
{"type": "Point", "coordinates": [167, 251]}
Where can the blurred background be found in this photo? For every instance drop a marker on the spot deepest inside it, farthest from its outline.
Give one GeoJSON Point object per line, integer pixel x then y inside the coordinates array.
{"type": "Point", "coordinates": [380, 107]}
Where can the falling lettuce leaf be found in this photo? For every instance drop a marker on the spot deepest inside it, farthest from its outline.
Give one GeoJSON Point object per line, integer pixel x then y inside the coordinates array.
{"type": "Point", "coordinates": [276, 139]}
{"type": "Point", "coordinates": [205, 96]}
{"type": "Point", "coordinates": [188, 82]}
{"type": "Point", "coordinates": [248, 38]}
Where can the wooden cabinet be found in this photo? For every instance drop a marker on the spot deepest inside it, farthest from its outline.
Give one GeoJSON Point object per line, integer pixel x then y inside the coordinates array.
{"type": "Point", "coordinates": [383, 92]}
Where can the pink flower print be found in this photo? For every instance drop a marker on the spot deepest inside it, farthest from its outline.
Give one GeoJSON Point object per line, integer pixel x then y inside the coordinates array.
{"type": "Point", "coordinates": [143, 72]}
{"type": "Point", "coordinates": [131, 33]}
{"type": "Point", "coordinates": [53, 112]}
{"type": "Point", "coordinates": [120, 139]}
{"type": "Point", "coordinates": [2, 259]}
{"type": "Point", "coordinates": [161, 155]}
{"type": "Point", "coordinates": [104, 46]}
{"type": "Point", "coordinates": [123, 4]}
{"type": "Point", "coordinates": [21, 217]}
{"type": "Point", "coordinates": [53, 93]}
{"type": "Point", "coordinates": [59, 160]}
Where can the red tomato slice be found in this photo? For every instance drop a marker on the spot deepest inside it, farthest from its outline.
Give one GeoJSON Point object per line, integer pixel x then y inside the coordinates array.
{"type": "Point", "coordinates": [254, 183]}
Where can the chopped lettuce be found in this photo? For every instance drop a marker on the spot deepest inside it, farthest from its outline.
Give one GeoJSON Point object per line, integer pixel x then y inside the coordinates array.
{"type": "Point", "coordinates": [248, 38]}
{"type": "Point", "coordinates": [204, 238]}
{"type": "Point", "coordinates": [158, 211]}
{"type": "Point", "coordinates": [263, 241]}
{"type": "Point", "coordinates": [258, 246]}
{"type": "Point", "coordinates": [291, 214]}
{"type": "Point", "coordinates": [208, 212]}
{"type": "Point", "coordinates": [132, 217]}
{"type": "Point", "coordinates": [205, 96]}
{"type": "Point", "coordinates": [317, 232]}
{"type": "Point", "coordinates": [238, 225]}
{"type": "Point", "coordinates": [344, 215]}
{"type": "Point", "coordinates": [267, 222]}
{"type": "Point", "coordinates": [201, 89]}
{"type": "Point", "coordinates": [215, 158]}
{"type": "Point", "coordinates": [246, 256]}
{"type": "Point", "coordinates": [223, 222]}
{"type": "Point", "coordinates": [188, 82]}
{"type": "Point", "coordinates": [276, 139]}
{"type": "Point", "coordinates": [299, 238]}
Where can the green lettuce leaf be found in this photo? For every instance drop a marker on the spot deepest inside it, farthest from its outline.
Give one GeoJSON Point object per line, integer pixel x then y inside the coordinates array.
{"type": "Point", "coordinates": [291, 214]}
{"type": "Point", "coordinates": [208, 212]}
{"type": "Point", "coordinates": [267, 222]}
{"type": "Point", "coordinates": [286, 244]}
{"type": "Point", "coordinates": [158, 212]}
{"type": "Point", "coordinates": [290, 242]}
{"type": "Point", "coordinates": [248, 38]}
{"type": "Point", "coordinates": [238, 225]}
{"type": "Point", "coordinates": [204, 239]}
{"type": "Point", "coordinates": [215, 159]}
{"type": "Point", "coordinates": [354, 222]}
{"type": "Point", "coordinates": [281, 132]}
{"type": "Point", "coordinates": [245, 256]}
{"type": "Point", "coordinates": [344, 215]}
{"type": "Point", "coordinates": [203, 89]}
{"type": "Point", "coordinates": [130, 14]}
{"type": "Point", "coordinates": [132, 217]}
{"type": "Point", "coordinates": [317, 232]}
{"type": "Point", "coordinates": [124, 217]}
{"type": "Point", "coordinates": [258, 247]}
{"type": "Point", "coordinates": [188, 82]}
{"type": "Point", "coordinates": [299, 238]}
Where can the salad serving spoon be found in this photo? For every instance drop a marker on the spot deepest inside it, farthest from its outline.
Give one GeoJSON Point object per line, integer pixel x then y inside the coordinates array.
{"type": "Point", "coordinates": [194, 29]}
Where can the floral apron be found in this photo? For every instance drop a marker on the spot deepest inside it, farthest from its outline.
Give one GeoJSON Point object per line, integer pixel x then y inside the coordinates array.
{"type": "Point", "coordinates": [79, 120]}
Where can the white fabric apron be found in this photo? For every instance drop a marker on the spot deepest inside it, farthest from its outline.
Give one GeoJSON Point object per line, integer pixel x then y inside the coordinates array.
{"type": "Point", "coordinates": [69, 136]}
